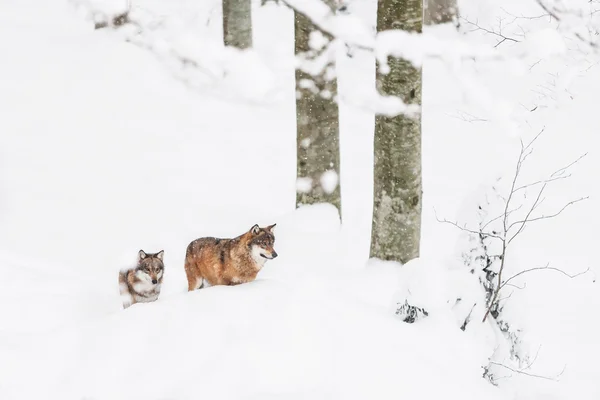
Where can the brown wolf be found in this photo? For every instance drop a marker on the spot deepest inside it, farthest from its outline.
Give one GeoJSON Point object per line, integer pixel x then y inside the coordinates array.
{"type": "Point", "coordinates": [142, 283]}
{"type": "Point", "coordinates": [210, 261]}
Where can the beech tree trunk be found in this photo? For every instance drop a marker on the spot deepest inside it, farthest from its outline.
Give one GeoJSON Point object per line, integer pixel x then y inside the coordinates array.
{"type": "Point", "coordinates": [440, 12]}
{"type": "Point", "coordinates": [396, 228]}
{"type": "Point", "coordinates": [237, 23]}
{"type": "Point", "coordinates": [317, 124]}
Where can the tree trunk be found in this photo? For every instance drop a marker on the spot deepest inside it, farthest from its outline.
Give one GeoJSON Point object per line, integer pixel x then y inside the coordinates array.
{"type": "Point", "coordinates": [396, 228]}
{"type": "Point", "coordinates": [237, 23]}
{"type": "Point", "coordinates": [317, 125]}
{"type": "Point", "coordinates": [440, 12]}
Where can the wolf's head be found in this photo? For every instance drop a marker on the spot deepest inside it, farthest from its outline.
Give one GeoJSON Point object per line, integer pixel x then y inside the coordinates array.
{"type": "Point", "coordinates": [150, 267]}
{"type": "Point", "coordinates": [261, 243]}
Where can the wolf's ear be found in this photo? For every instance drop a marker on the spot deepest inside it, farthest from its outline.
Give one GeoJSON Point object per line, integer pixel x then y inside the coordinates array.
{"type": "Point", "coordinates": [160, 255]}
{"type": "Point", "coordinates": [270, 227]}
{"type": "Point", "coordinates": [255, 230]}
{"type": "Point", "coordinates": [142, 254]}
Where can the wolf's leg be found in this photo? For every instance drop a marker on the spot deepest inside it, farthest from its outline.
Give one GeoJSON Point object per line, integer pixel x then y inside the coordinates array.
{"type": "Point", "coordinates": [198, 284]}
{"type": "Point", "coordinates": [191, 276]}
{"type": "Point", "coordinates": [193, 284]}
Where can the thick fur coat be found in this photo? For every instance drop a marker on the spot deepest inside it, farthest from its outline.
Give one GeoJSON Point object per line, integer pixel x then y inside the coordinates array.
{"type": "Point", "coordinates": [212, 261]}
{"type": "Point", "coordinates": [142, 284]}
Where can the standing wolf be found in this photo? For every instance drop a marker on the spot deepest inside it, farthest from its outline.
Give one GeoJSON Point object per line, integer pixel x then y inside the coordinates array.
{"type": "Point", "coordinates": [142, 283]}
{"type": "Point", "coordinates": [210, 261]}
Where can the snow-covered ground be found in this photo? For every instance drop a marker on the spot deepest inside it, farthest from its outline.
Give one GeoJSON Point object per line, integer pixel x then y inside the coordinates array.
{"type": "Point", "coordinates": [107, 146]}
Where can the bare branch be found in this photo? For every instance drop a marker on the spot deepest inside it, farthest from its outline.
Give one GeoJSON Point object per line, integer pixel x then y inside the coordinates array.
{"type": "Point", "coordinates": [502, 38]}
{"type": "Point", "coordinates": [467, 117]}
{"type": "Point", "coordinates": [547, 9]}
{"type": "Point", "coordinates": [529, 185]}
{"type": "Point", "coordinates": [546, 267]}
{"type": "Point", "coordinates": [500, 216]}
{"type": "Point", "coordinates": [497, 291]}
{"type": "Point", "coordinates": [503, 236]}
{"type": "Point", "coordinates": [535, 204]}
{"type": "Point", "coordinates": [517, 17]}
{"type": "Point", "coordinates": [465, 229]}
{"type": "Point", "coordinates": [517, 287]}
{"type": "Point", "coordinates": [505, 298]}
{"type": "Point", "coordinates": [522, 372]}
{"type": "Point", "coordinates": [534, 64]}
{"type": "Point", "coordinates": [537, 353]}
{"type": "Point", "coordinates": [541, 217]}
{"type": "Point", "coordinates": [535, 138]}
{"type": "Point", "coordinates": [563, 169]}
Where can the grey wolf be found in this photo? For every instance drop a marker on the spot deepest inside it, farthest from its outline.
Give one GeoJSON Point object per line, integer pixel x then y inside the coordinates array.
{"type": "Point", "coordinates": [212, 261]}
{"type": "Point", "coordinates": [142, 283]}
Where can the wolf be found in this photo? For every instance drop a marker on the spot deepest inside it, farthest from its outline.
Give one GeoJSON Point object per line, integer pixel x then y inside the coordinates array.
{"type": "Point", "coordinates": [142, 283]}
{"type": "Point", "coordinates": [211, 261]}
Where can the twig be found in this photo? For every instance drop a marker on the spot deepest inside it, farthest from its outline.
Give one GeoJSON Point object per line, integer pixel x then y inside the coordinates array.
{"type": "Point", "coordinates": [530, 374]}
{"type": "Point", "coordinates": [499, 34]}
{"type": "Point", "coordinates": [546, 267]}
{"type": "Point", "coordinates": [563, 169]}
{"type": "Point", "coordinates": [464, 228]}
{"type": "Point", "coordinates": [500, 216]}
{"type": "Point", "coordinates": [541, 217]}
{"type": "Point", "coordinates": [547, 9]}
{"type": "Point", "coordinates": [517, 287]}
{"type": "Point", "coordinates": [535, 204]}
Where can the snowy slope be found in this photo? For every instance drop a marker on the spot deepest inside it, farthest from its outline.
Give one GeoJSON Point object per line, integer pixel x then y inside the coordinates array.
{"type": "Point", "coordinates": [104, 152]}
{"type": "Point", "coordinates": [104, 149]}
{"type": "Point", "coordinates": [266, 340]}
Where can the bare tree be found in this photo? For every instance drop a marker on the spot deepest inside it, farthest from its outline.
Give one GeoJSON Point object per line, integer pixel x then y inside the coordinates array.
{"type": "Point", "coordinates": [237, 23]}
{"type": "Point", "coordinates": [317, 118]}
{"type": "Point", "coordinates": [509, 225]}
{"type": "Point", "coordinates": [440, 12]}
{"type": "Point", "coordinates": [396, 227]}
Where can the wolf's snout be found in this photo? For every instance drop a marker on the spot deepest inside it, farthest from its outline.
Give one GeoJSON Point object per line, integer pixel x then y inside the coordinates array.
{"type": "Point", "coordinates": [274, 254]}
{"type": "Point", "coordinates": [154, 281]}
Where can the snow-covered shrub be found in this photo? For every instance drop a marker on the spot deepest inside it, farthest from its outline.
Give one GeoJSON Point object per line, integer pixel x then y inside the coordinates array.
{"type": "Point", "coordinates": [409, 313]}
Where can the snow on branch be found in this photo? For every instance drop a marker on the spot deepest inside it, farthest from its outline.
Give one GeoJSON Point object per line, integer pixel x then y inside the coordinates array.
{"type": "Point", "coordinates": [206, 66]}
{"type": "Point", "coordinates": [579, 19]}
{"type": "Point", "coordinates": [413, 47]}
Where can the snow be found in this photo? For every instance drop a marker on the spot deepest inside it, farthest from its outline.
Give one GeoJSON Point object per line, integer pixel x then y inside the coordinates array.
{"type": "Point", "coordinates": [303, 184]}
{"type": "Point", "coordinates": [109, 143]}
{"type": "Point", "coordinates": [329, 181]}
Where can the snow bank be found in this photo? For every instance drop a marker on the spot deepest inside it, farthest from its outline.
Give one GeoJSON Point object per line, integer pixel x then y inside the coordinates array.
{"type": "Point", "coordinates": [285, 336]}
{"type": "Point", "coordinates": [102, 119]}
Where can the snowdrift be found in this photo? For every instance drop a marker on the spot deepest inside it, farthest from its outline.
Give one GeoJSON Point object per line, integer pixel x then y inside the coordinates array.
{"type": "Point", "coordinates": [270, 339]}
{"type": "Point", "coordinates": [88, 120]}
{"type": "Point", "coordinates": [308, 327]}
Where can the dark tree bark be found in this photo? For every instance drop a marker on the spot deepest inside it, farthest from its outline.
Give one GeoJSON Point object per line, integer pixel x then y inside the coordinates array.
{"type": "Point", "coordinates": [317, 121]}
{"type": "Point", "coordinates": [237, 23]}
{"type": "Point", "coordinates": [396, 228]}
